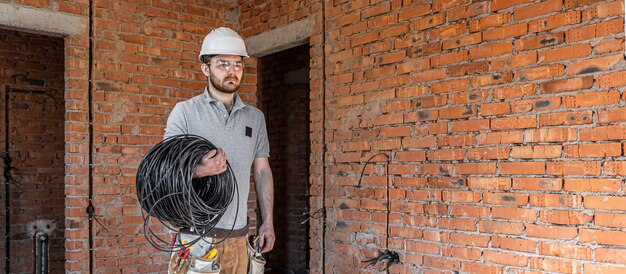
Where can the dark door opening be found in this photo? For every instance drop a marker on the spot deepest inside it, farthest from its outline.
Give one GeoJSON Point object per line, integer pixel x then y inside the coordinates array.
{"type": "Point", "coordinates": [33, 152]}
{"type": "Point", "coordinates": [284, 98]}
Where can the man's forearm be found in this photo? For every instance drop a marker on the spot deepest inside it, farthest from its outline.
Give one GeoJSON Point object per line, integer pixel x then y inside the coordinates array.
{"type": "Point", "coordinates": [265, 191]}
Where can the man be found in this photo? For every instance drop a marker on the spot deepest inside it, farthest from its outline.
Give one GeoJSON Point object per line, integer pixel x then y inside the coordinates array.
{"type": "Point", "coordinates": [239, 131]}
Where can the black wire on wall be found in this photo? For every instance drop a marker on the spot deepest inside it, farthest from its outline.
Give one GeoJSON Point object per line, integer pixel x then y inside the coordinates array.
{"type": "Point", "coordinates": [90, 208]}
{"type": "Point", "coordinates": [325, 148]}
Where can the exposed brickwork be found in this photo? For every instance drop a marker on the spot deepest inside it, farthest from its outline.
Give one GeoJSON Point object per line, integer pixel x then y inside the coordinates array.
{"type": "Point", "coordinates": [36, 197]}
{"type": "Point", "coordinates": [505, 108]}
{"type": "Point", "coordinates": [283, 97]}
{"type": "Point", "coordinates": [504, 121]}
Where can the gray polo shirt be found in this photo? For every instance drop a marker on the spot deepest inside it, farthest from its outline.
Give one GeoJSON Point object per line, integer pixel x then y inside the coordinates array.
{"type": "Point", "coordinates": [242, 135]}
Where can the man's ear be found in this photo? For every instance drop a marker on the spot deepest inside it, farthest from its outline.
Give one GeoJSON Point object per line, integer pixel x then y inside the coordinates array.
{"type": "Point", "coordinates": [205, 69]}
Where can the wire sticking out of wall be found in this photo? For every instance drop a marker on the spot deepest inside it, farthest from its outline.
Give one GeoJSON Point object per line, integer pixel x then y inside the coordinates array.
{"type": "Point", "coordinates": [167, 191]}
{"type": "Point", "coordinates": [391, 257]}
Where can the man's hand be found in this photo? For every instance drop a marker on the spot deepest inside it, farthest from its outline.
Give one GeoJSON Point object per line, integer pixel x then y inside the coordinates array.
{"type": "Point", "coordinates": [212, 163]}
{"type": "Point", "coordinates": [266, 237]}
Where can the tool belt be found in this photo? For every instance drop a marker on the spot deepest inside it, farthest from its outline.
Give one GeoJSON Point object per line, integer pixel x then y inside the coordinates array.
{"type": "Point", "coordinates": [200, 257]}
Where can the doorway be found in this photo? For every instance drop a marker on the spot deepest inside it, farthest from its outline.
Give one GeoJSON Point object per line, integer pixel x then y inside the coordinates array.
{"type": "Point", "coordinates": [33, 151]}
{"type": "Point", "coordinates": [283, 88]}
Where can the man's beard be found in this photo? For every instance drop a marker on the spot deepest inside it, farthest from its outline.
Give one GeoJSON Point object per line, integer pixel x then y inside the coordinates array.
{"type": "Point", "coordinates": [223, 87]}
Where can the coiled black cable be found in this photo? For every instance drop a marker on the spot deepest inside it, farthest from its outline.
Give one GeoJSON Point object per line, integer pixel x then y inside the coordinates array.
{"type": "Point", "coordinates": [167, 190]}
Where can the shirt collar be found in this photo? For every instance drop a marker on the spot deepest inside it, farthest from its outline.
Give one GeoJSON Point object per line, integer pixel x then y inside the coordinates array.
{"type": "Point", "coordinates": [238, 102]}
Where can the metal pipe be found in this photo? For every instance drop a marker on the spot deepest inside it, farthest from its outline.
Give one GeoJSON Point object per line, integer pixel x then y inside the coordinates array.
{"type": "Point", "coordinates": [41, 252]}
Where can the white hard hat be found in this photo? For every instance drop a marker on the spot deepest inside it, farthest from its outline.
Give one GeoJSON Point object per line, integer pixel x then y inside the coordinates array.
{"type": "Point", "coordinates": [223, 41]}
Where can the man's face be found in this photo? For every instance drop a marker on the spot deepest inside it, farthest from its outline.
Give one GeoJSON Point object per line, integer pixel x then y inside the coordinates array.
{"type": "Point", "coordinates": [225, 72]}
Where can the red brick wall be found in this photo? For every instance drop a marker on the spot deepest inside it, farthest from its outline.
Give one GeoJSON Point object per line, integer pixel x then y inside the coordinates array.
{"type": "Point", "coordinates": [504, 120]}
{"type": "Point", "coordinates": [283, 97]}
{"type": "Point", "coordinates": [36, 146]}
{"type": "Point", "coordinates": [505, 124]}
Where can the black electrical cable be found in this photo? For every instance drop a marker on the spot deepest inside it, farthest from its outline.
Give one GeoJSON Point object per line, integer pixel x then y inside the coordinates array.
{"type": "Point", "coordinates": [167, 191]}
{"type": "Point", "coordinates": [392, 257]}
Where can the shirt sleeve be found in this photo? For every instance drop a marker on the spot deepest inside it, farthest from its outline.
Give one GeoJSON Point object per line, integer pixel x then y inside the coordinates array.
{"type": "Point", "coordinates": [176, 122]}
{"type": "Point", "coordinates": [262, 142]}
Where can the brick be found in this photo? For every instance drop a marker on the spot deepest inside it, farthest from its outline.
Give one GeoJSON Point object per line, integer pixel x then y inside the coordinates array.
{"type": "Point", "coordinates": [462, 41]}
{"type": "Point", "coordinates": [609, 45]}
{"type": "Point", "coordinates": [612, 115]}
{"type": "Point", "coordinates": [611, 255]}
{"type": "Point", "coordinates": [469, 96]}
{"type": "Point", "coordinates": [565, 217]}
{"type": "Point", "coordinates": [468, 68]}
{"type": "Point", "coordinates": [449, 86]}
{"type": "Point", "coordinates": [446, 154]}
{"type": "Point", "coordinates": [594, 65]}
{"type": "Point", "coordinates": [449, 58]}
{"type": "Point", "coordinates": [488, 153]}
{"type": "Point", "coordinates": [423, 50]}
{"type": "Point", "coordinates": [489, 183]}
{"type": "Point", "coordinates": [595, 30]}
{"type": "Point", "coordinates": [613, 132]}
{"type": "Point", "coordinates": [473, 267]}
{"type": "Point", "coordinates": [541, 72]}
{"type": "Point", "coordinates": [533, 152]}
{"type": "Point", "coordinates": [469, 125]}
{"type": "Point", "coordinates": [475, 168]}
{"type": "Point", "coordinates": [490, 50]}
{"type": "Point", "coordinates": [556, 200]}
{"type": "Point", "coordinates": [603, 269]}
{"type": "Point", "coordinates": [413, 12]}
{"type": "Point", "coordinates": [540, 41]}
{"type": "Point", "coordinates": [565, 85]}
{"type": "Point", "coordinates": [467, 239]}
{"type": "Point", "coordinates": [489, 22]}
{"type": "Point", "coordinates": [497, 227]}
{"type": "Point", "coordinates": [570, 4]}
{"type": "Point", "coordinates": [542, 104]}
{"type": "Point", "coordinates": [461, 252]}
{"type": "Point", "coordinates": [612, 80]}
{"type": "Point", "coordinates": [514, 213]}
{"type": "Point", "coordinates": [554, 265]}
{"type": "Point", "coordinates": [375, 10]}
{"type": "Point", "coordinates": [467, 11]}
{"type": "Point", "coordinates": [457, 224]}
{"type": "Point", "coordinates": [555, 21]}
{"type": "Point", "coordinates": [461, 196]}
{"type": "Point", "coordinates": [456, 140]}
{"type": "Point", "coordinates": [503, 4]}
{"type": "Point", "coordinates": [544, 184]}
{"type": "Point", "coordinates": [505, 258]}
{"type": "Point", "coordinates": [428, 75]}
{"type": "Point", "coordinates": [439, 5]}
{"type": "Point", "coordinates": [448, 31]}
{"type": "Point", "coordinates": [605, 202]}
{"type": "Point", "coordinates": [457, 112]}
{"type": "Point", "coordinates": [538, 9]}
{"type": "Point", "coordinates": [603, 10]}
{"type": "Point", "coordinates": [514, 122]}
{"type": "Point", "coordinates": [602, 237]}
{"type": "Point", "coordinates": [514, 91]}
{"type": "Point", "coordinates": [515, 244]}
{"type": "Point", "coordinates": [429, 21]}
{"type": "Point", "coordinates": [469, 211]}
{"type": "Point", "coordinates": [573, 168]}
{"type": "Point", "coordinates": [592, 185]}
{"type": "Point", "coordinates": [565, 53]}
{"type": "Point", "coordinates": [593, 150]}
{"type": "Point", "coordinates": [610, 220]}
{"type": "Point", "coordinates": [538, 168]}
{"type": "Point", "coordinates": [507, 137]}
{"type": "Point", "coordinates": [551, 232]}
{"type": "Point", "coordinates": [514, 61]}
{"type": "Point", "coordinates": [495, 109]}
{"type": "Point", "coordinates": [505, 198]}
{"type": "Point", "coordinates": [491, 80]}
{"type": "Point", "coordinates": [505, 32]}
{"type": "Point", "coordinates": [592, 99]}
{"type": "Point", "coordinates": [566, 118]}
{"type": "Point", "coordinates": [565, 250]}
